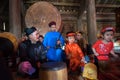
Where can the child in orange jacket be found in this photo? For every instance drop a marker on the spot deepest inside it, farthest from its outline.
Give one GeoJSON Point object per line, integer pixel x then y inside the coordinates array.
{"type": "Point", "coordinates": [74, 52]}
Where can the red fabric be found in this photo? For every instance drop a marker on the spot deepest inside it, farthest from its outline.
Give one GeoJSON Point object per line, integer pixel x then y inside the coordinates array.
{"type": "Point", "coordinates": [70, 34]}
{"type": "Point", "coordinates": [103, 49]}
{"type": "Point", "coordinates": [75, 53]}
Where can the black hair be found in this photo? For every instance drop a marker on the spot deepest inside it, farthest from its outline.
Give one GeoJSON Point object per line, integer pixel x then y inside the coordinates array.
{"type": "Point", "coordinates": [52, 23]}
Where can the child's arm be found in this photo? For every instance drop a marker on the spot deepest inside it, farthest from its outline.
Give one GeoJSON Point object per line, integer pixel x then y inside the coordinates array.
{"type": "Point", "coordinates": [67, 51]}
{"type": "Point", "coordinates": [94, 51]}
{"type": "Point", "coordinates": [113, 53]}
{"type": "Point", "coordinates": [80, 54]}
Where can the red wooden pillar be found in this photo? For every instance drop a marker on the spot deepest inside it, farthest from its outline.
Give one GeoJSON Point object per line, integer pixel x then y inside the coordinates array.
{"type": "Point", "coordinates": [91, 21]}
{"type": "Point", "coordinates": [15, 17]}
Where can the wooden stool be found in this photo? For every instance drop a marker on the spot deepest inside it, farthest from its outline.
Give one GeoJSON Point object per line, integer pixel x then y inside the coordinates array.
{"type": "Point", "coordinates": [53, 71]}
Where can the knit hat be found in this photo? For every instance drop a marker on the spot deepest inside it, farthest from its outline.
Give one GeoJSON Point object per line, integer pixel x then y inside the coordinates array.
{"type": "Point", "coordinates": [28, 31]}
{"type": "Point", "coordinates": [26, 68]}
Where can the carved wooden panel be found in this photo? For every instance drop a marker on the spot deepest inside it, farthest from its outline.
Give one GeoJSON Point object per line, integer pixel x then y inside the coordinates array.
{"type": "Point", "coordinates": [69, 25]}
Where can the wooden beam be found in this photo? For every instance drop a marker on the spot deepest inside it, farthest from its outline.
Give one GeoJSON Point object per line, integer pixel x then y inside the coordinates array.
{"type": "Point", "coordinates": [77, 4]}
{"type": "Point", "coordinates": [102, 18]}
{"type": "Point", "coordinates": [105, 13]}
{"type": "Point", "coordinates": [107, 5]}
{"type": "Point", "coordinates": [57, 3]}
{"type": "Point", "coordinates": [73, 13]}
{"type": "Point", "coordinates": [65, 4]}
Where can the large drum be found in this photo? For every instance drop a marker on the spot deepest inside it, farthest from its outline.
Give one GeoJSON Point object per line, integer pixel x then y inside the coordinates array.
{"type": "Point", "coordinates": [12, 38]}
{"type": "Point", "coordinates": [9, 46]}
{"type": "Point", "coordinates": [53, 71]}
{"type": "Point", "coordinates": [6, 47]}
{"type": "Point", "coordinates": [40, 14]}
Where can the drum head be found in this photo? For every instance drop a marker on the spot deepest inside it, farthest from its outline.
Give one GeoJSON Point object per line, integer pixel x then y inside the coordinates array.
{"type": "Point", "coordinates": [53, 66]}
{"type": "Point", "coordinates": [40, 14]}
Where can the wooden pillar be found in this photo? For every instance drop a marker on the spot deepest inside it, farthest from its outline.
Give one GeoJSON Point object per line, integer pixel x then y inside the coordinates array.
{"type": "Point", "coordinates": [117, 11]}
{"type": "Point", "coordinates": [81, 14]}
{"type": "Point", "coordinates": [79, 23]}
{"type": "Point", "coordinates": [15, 17]}
{"type": "Point", "coordinates": [91, 22]}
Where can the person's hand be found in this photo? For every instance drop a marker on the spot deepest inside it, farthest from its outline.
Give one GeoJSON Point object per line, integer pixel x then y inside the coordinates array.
{"type": "Point", "coordinates": [58, 42]}
{"type": "Point", "coordinates": [96, 54]}
{"type": "Point", "coordinates": [115, 55]}
{"type": "Point", "coordinates": [83, 60]}
{"type": "Point", "coordinates": [48, 47]}
{"type": "Point", "coordinates": [68, 56]}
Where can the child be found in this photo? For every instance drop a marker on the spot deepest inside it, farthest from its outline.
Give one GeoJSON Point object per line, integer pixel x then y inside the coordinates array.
{"type": "Point", "coordinates": [73, 52]}
{"type": "Point", "coordinates": [104, 46]}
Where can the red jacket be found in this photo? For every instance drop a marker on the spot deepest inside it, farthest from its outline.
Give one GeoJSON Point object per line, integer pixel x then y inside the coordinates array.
{"type": "Point", "coordinates": [103, 49]}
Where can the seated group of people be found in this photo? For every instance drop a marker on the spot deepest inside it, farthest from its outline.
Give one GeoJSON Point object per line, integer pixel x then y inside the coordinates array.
{"type": "Point", "coordinates": [50, 49]}
{"type": "Point", "coordinates": [54, 48]}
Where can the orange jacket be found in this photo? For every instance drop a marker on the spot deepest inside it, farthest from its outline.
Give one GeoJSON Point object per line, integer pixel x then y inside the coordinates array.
{"type": "Point", "coordinates": [74, 51]}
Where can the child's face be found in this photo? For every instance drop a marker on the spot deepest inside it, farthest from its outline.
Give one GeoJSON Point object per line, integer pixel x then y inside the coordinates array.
{"type": "Point", "coordinates": [71, 39]}
{"type": "Point", "coordinates": [108, 36]}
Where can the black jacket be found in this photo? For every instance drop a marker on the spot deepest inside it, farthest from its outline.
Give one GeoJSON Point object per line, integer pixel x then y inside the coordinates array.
{"type": "Point", "coordinates": [32, 52]}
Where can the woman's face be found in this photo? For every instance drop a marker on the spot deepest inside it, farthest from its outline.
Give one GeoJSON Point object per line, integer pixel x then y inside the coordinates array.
{"type": "Point", "coordinates": [108, 36]}
{"type": "Point", "coordinates": [78, 36]}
